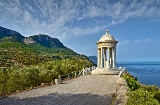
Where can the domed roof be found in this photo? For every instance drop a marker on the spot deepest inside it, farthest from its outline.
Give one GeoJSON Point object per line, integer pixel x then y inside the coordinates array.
{"type": "Point", "coordinates": [107, 37]}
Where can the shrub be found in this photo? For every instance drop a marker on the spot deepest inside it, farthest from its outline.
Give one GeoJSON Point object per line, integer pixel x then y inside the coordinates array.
{"type": "Point", "coordinates": [132, 82]}
{"type": "Point", "coordinates": [32, 78]}
{"type": "Point", "coordinates": [3, 80]}
{"type": "Point", "coordinates": [20, 78]}
{"type": "Point", "coordinates": [45, 75]}
{"type": "Point", "coordinates": [157, 95]}
{"type": "Point", "coordinates": [141, 97]}
{"type": "Point", "coordinates": [141, 94]}
{"type": "Point", "coordinates": [154, 89]}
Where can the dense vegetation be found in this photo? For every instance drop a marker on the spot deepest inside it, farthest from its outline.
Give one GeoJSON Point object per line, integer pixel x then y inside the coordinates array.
{"type": "Point", "coordinates": [14, 52]}
{"type": "Point", "coordinates": [141, 94]}
{"type": "Point", "coordinates": [20, 78]}
{"type": "Point", "coordinates": [25, 65]}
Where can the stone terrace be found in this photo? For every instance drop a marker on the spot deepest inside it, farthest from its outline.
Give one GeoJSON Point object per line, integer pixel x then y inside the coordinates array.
{"type": "Point", "coordinates": [84, 90]}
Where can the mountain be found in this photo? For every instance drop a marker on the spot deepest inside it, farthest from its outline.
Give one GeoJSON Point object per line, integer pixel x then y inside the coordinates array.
{"type": "Point", "coordinates": [41, 43]}
{"type": "Point", "coordinates": [36, 59]}
{"type": "Point", "coordinates": [93, 59]}
{"type": "Point", "coordinates": [47, 41]}
{"type": "Point", "coordinates": [17, 49]}
{"type": "Point", "coordinates": [4, 32]}
{"type": "Point", "coordinates": [41, 39]}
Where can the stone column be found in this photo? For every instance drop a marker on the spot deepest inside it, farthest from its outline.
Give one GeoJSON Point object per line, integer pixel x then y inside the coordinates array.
{"type": "Point", "coordinates": [114, 57]}
{"type": "Point", "coordinates": [108, 57]}
{"type": "Point", "coordinates": [98, 60]}
{"type": "Point", "coordinates": [104, 57]}
{"type": "Point", "coordinates": [101, 57]}
{"type": "Point", "coordinates": [111, 58]}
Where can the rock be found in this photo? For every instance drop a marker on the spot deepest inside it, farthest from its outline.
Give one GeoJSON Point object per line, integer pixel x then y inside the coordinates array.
{"type": "Point", "coordinates": [28, 40]}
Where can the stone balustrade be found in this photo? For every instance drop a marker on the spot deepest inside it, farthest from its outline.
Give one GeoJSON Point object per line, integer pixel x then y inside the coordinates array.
{"type": "Point", "coordinates": [84, 71]}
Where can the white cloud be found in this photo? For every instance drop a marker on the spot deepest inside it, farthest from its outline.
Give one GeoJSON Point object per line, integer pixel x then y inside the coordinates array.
{"type": "Point", "coordinates": [68, 32]}
{"type": "Point", "coordinates": [147, 40]}
{"type": "Point", "coordinates": [137, 41]}
{"type": "Point", "coordinates": [156, 20]}
{"type": "Point", "coordinates": [124, 42]}
{"type": "Point", "coordinates": [62, 18]}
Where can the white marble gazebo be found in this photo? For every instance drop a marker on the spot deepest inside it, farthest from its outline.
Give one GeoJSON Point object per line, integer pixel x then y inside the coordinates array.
{"type": "Point", "coordinates": [106, 62]}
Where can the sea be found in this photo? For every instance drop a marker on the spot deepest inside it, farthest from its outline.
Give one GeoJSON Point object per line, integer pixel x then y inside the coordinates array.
{"type": "Point", "coordinates": [147, 72]}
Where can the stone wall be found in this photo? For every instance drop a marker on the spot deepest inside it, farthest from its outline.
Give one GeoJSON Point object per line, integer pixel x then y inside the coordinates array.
{"type": "Point", "coordinates": [120, 98]}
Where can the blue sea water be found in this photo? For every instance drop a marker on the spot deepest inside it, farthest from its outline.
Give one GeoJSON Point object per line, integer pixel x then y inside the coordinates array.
{"type": "Point", "coordinates": [147, 72]}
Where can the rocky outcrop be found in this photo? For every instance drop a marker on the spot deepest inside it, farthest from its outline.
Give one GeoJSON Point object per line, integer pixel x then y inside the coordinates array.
{"type": "Point", "coordinates": [41, 39]}
{"type": "Point", "coordinates": [120, 97]}
{"type": "Point", "coordinates": [47, 41]}
{"type": "Point", "coordinates": [28, 40]}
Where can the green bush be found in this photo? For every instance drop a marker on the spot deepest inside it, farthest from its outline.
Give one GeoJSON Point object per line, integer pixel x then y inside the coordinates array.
{"type": "Point", "coordinates": [15, 82]}
{"type": "Point", "coordinates": [154, 89]}
{"type": "Point", "coordinates": [157, 95]}
{"type": "Point", "coordinates": [3, 80]}
{"type": "Point", "coordinates": [32, 78]}
{"type": "Point", "coordinates": [46, 75]}
{"type": "Point", "coordinates": [20, 78]}
{"type": "Point", "coordinates": [132, 82]}
{"type": "Point", "coordinates": [141, 94]}
{"type": "Point", "coordinates": [141, 97]}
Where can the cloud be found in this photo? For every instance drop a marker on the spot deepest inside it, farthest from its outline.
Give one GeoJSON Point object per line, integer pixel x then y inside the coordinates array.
{"type": "Point", "coordinates": [68, 32]}
{"type": "Point", "coordinates": [147, 40]}
{"type": "Point", "coordinates": [156, 20]}
{"type": "Point", "coordinates": [69, 18]}
{"type": "Point", "coordinates": [124, 42]}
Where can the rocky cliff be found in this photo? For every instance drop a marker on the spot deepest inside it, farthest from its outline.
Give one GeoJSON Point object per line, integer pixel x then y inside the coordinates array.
{"type": "Point", "coordinates": [41, 39]}
{"type": "Point", "coordinates": [46, 41]}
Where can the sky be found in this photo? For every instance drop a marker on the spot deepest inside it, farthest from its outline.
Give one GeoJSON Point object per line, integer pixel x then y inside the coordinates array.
{"type": "Point", "coordinates": [79, 24]}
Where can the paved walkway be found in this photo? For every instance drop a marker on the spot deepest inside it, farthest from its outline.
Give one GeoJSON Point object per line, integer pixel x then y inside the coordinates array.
{"type": "Point", "coordinates": [85, 90]}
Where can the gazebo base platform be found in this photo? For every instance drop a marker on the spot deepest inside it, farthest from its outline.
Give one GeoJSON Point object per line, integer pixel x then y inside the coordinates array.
{"type": "Point", "coordinates": [107, 71]}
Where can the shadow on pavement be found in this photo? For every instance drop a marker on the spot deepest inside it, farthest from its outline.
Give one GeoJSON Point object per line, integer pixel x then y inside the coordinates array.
{"type": "Point", "coordinates": [60, 99]}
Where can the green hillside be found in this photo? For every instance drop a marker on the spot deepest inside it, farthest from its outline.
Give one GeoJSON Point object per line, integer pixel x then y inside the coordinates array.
{"type": "Point", "coordinates": [26, 62]}
{"type": "Point", "coordinates": [13, 52]}
{"type": "Point", "coordinates": [23, 51]}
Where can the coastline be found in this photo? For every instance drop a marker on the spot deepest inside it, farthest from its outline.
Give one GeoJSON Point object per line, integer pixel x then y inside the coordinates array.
{"type": "Point", "coordinates": [139, 93]}
{"type": "Point", "coordinates": [147, 72]}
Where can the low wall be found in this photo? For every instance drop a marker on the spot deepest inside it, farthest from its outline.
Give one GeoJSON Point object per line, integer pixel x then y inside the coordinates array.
{"type": "Point", "coordinates": [120, 98]}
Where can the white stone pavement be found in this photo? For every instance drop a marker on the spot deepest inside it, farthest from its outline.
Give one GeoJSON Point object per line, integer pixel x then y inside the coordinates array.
{"type": "Point", "coordinates": [84, 90]}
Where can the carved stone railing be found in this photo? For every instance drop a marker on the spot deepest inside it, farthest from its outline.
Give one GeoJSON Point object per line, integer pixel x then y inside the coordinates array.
{"type": "Point", "coordinates": [75, 74]}
{"type": "Point", "coordinates": [122, 71]}
{"type": "Point", "coordinates": [86, 71]}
